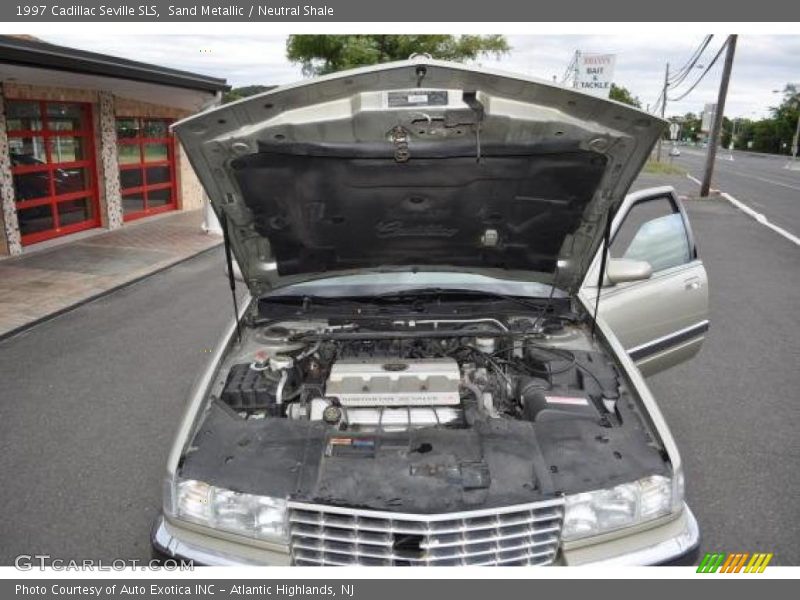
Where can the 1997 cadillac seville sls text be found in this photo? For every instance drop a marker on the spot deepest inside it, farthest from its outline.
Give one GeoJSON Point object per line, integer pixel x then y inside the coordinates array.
{"type": "Point", "coordinates": [423, 372]}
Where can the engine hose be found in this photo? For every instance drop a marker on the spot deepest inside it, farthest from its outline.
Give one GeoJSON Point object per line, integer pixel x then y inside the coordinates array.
{"type": "Point", "coordinates": [308, 352]}
{"type": "Point", "coordinates": [281, 385]}
{"type": "Point", "coordinates": [470, 412]}
{"type": "Point", "coordinates": [476, 391]}
{"type": "Point", "coordinates": [532, 383]}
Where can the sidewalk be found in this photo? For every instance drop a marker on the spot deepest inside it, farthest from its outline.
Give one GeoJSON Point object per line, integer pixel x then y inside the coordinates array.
{"type": "Point", "coordinates": [48, 281]}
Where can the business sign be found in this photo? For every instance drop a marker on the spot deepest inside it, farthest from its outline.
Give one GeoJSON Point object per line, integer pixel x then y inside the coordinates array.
{"type": "Point", "coordinates": [674, 130]}
{"type": "Point", "coordinates": [595, 73]}
{"type": "Point", "coordinates": [709, 111]}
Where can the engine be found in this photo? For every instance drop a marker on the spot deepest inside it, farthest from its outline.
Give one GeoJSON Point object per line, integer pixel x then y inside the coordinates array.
{"type": "Point", "coordinates": [417, 381]}
{"type": "Point", "coordinates": [391, 382]}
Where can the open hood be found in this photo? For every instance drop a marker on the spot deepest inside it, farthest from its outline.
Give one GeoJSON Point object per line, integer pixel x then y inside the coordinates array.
{"type": "Point", "coordinates": [417, 165]}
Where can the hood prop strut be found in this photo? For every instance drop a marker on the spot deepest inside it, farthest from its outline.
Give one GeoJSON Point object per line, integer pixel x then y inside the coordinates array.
{"type": "Point", "coordinates": [471, 99]}
{"type": "Point", "coordinates": [601, 277]}
{"type": "Point", "coordinates": [231, 279]}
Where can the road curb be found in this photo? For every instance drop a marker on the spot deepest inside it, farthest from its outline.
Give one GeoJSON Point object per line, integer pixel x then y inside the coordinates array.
{"type": "Point", "coordinates": [23, 328]}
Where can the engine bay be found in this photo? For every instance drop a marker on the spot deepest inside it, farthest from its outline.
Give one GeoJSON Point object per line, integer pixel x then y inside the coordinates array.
{"type": "Point", "coordinates": [462, 373]}
{"type": "Point", "coordinates": [425, 415]}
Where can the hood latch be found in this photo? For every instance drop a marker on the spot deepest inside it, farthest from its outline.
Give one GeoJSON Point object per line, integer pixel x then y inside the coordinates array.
{"type": "Point", "coordinates": [399, 138]}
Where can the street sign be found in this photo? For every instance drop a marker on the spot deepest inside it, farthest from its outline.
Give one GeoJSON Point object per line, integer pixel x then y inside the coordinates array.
{"type": "Point", "coordinates": [674, 130]}
{"type": "Point", "coordinates": [595, 73]}
{"type": "Point", "coordinates": [709, 110]}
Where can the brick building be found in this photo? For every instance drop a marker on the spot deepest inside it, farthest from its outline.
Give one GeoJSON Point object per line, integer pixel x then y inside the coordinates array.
{"type": "Point", "coordinates": [85, 141]}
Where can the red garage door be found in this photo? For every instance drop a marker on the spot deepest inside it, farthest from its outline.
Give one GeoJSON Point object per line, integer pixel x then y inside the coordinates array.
{"type": "Point", "coordinates": [146, 153]}
{"type": "Point", "coordinates": [52, 162]}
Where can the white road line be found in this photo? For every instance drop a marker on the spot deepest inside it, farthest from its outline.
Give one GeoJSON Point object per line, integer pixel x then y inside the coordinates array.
{"type": "Point", "coordinates": [698, 182]}
{"type": "Point", "coordinates": [695, 179]}
{"type": "Point", "coordinates": [736, 173]}
{"type": "Point", "coordinates": [760, 217]}
{"type": "Point", "coordinates": [773, 182]}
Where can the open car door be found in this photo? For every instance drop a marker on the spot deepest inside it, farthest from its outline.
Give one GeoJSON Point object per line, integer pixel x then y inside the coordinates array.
{"type": "Point", "coordinates": [655, 289]}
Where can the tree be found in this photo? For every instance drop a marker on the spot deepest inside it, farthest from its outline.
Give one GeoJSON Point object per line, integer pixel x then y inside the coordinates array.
{"type": "Point", "coordinates": [238, 93]}
{"type": "Point", "coordinates": [693, 125]}
{"type": "Point", "coordinates": [623, 94]}
{"type": "Point", "coordinates": [785, 118]}
{"type": "Point", "coordinates": [321, 54]}
{"type": "Point", "coordinates": [727, 132]}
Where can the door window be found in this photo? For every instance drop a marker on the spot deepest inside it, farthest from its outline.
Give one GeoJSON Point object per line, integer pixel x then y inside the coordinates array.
{"type": "Point", "coordinates": [653, 231]}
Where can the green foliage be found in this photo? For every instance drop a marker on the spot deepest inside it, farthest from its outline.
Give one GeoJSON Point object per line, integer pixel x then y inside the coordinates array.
{"type": "Point", "coordinates": [690, 127]}
{"type": "Point", "coordinates": [321, 54]}
{"type": "Point", "coordinates": [773, 134]}
{"type": "Point", "coordinates": [243, 92]}
{"type": "Point", "coordinates": [663, 168]}
{"type": "Point", "coordinates": [623, 94]}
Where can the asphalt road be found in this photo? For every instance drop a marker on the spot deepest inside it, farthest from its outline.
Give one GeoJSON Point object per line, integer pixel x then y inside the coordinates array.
{"type": "Point", "coordinates": [761, 181]}
{"type": "Point", "coordinates": [91, 399]}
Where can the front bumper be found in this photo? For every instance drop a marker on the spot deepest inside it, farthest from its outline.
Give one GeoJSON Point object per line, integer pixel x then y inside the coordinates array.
{"type": "Point", "coordinates": [672, 543]}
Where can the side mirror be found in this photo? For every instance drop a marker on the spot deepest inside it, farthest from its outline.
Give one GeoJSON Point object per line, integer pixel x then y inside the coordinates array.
{"type": "Point", "coordinates": [237, 272]}
{"type": "Point", "coordinates": [620, 270]}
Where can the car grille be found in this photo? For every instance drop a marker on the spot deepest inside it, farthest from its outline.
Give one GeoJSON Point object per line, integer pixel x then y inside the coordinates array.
{"type": "Point", "coordinates": [526, 534]}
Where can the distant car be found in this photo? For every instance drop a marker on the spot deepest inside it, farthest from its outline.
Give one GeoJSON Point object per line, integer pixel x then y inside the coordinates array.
{"type": "Point", "coordinates": [674, 151]}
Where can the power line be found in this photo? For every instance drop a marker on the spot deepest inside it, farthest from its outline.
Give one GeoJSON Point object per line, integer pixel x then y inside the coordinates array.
{"type": "Point", "coordinates": [683, 73]}
{"type": "Point", "coordinates": [692, 59]}
{"type": "Point", "coordinates": [657, 104]}
{"type": "Point", "coordinates": [699, 79]}
{"type": "Point", "coordinates": [570, 70]}
{"type": "Point", "coordinates": [692, 56]}
{"type": "Point", "coordinates": [680, 75]}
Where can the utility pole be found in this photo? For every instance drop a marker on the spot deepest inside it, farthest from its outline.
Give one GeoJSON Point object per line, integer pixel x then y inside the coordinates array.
{"type": "Point", "coordinates": [716, 126]}
{"type": "Point", "coordinates": [663, 110]}
{"type": "Point", "coordinates": [796, 140]}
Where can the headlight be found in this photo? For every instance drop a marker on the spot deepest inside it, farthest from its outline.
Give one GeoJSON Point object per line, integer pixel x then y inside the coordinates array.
{"type": "Point", "coordinates": [261, 517]}
{"type": "Point", "coordinates": [600, 511]}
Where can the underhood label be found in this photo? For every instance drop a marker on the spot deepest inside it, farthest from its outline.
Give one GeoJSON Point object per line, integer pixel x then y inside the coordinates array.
{"type": "Point", "coordinates": [417, 98]}
{"type": "Point", "coordinates": [351, 446]}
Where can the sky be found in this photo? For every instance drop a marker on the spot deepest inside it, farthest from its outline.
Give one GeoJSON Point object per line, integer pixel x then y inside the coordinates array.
{"type": "Point", "coordinates": [762, 63]}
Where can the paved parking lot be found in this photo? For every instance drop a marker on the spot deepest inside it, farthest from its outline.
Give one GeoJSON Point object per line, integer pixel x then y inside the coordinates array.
{"type": "Point", "coordinates": [67, 271]}
{"type": "Point", "coordinates": [91, 400]}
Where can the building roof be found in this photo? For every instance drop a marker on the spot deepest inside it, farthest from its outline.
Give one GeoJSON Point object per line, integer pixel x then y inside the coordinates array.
{"type": "Point", "coordinates": [36, 53]}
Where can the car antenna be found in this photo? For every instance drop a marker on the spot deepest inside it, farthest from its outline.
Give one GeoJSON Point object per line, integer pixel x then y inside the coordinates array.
{"type": "Point", "coordinates": [231, 279]}
{"type": "Point", "coordinates": [601, 277]}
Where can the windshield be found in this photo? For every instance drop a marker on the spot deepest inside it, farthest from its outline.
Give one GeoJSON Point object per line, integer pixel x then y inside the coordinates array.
{"type": "Point", "coordinates": [372, 284]}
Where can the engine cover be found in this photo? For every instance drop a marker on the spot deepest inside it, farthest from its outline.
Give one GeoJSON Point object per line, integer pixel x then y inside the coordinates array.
{"type": "Point", "coordinates": [395, 382]}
